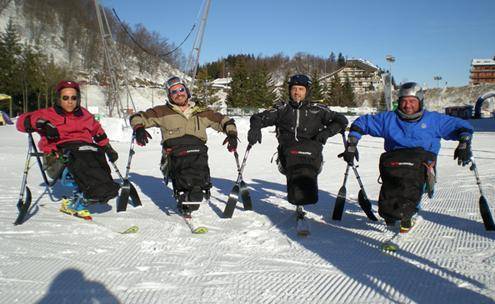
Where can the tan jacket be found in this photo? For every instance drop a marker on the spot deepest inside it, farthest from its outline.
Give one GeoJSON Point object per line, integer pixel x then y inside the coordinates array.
{"type": "Point", "coordinates": [174, 123]}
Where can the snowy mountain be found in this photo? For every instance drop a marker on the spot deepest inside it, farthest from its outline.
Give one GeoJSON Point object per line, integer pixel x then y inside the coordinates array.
{"type": "Point", "coordinates": [56, 44]}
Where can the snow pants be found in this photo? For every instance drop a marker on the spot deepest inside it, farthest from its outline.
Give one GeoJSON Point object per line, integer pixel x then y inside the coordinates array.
{"type": "Point", "coordinates": [187, 166]}
{"type": "Point", "coordinates": [404, 174]}
{"type": "Point", "coordinates": [89, 168]}
{"type": "Point", "coordinates": [301, 163]}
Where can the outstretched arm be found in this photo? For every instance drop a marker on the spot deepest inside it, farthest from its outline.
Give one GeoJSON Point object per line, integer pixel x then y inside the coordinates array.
{"type": "Point", "coordinates": [335, 122]}
{"type": "Point", "coordinates": [262, 120]}
{"type": "Point", "coordinates": [368, 125]}
{"type": "Point", "coordinates": [453, 128]}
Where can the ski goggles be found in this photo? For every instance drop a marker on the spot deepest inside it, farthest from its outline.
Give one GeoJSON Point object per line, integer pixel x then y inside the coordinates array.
{"type": "Point", "coordinates": [73, 97]}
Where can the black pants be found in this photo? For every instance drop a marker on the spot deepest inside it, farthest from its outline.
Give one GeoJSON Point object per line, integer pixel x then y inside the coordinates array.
{"type": "Point", "coordinates": [89, 168]}
{"type": "Point", "coordinates": [187, 166]}
{"type": "Point", "coordinates": [403, 173]}
{"type": "Point", "coordinates": [301, 162]}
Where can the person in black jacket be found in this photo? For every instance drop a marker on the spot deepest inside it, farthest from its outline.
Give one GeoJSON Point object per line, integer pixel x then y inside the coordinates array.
{"type": "Point", "coordinates": [302, 128]}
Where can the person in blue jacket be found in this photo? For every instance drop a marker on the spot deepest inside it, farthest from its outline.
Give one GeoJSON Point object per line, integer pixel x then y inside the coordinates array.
{"type": "Point", "coordinates": [412, 142]}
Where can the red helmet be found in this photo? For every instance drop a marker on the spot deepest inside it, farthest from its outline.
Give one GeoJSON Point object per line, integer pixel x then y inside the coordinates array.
{"type": "Point", "coordinates": [64, 84]}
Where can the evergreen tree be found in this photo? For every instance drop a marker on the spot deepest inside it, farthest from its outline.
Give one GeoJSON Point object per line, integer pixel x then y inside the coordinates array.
{"type": "Point", "coordinates": [317, 88]}
{"type": "Point", "coordinates": [237, 96]}
{"type": "Point", "coordinates": [335, 95]}
{"type": "Point", "coordinates": [10, 53]}
{"type": "Point", "coordinates": [203, 92]}
{"type": "Point", "coordinates": [332, 63]}
{"type": "Point", "coordinates": [31, 77]}
{"type": "Point", "coordinates": [263, 91]}
{"type": "Point", "coordinates": [348, 94]}
{"type": "Point", "coordinates": [341, 61]}
{"type": "Point", "coordinates": [331, 58]}
{"type": "Point", "coordinates": [283, 91]}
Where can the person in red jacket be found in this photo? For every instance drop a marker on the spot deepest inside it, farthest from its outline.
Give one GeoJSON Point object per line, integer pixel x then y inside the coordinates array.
{"type": "Point", "coordinates": [71, 137]}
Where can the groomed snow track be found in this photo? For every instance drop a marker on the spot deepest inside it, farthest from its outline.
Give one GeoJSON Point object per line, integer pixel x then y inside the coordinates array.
{"type": "Point", "coordinates": [255, 257]}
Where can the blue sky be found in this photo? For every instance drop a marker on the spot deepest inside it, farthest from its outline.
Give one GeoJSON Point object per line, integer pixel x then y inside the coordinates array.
{"type": "Point", "coordinates": [427, 38]}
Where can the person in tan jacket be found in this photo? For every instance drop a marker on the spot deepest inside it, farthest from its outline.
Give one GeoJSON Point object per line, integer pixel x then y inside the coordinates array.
{"type": "Point", "coordinates": [183, 127]}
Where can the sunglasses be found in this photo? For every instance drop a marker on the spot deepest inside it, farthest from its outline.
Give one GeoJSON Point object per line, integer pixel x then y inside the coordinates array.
{"type": "Point", "coordinates": [73, 97]}
{"type": "Point", "coordinates": [173, 92]}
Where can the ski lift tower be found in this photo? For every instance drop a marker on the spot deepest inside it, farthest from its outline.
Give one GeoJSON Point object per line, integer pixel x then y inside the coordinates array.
{"type": "Point", "coordinates": [387, 83]}
{"type": "Point", "coordinates": [114, 66]}
{"type": "Point", "coordinates": [192, 65]}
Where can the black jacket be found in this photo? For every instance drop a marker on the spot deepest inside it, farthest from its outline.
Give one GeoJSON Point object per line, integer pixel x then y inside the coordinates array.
{"type": "Point", "coordinates": [302, 121]}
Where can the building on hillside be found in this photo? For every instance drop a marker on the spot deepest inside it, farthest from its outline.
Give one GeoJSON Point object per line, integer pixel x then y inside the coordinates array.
{"type": "Point", "coordinates": [364, 76]}
{"type": "Point", "coordinates": [482, 71]}
{"type": "Point", "coordinates": [221, 83]}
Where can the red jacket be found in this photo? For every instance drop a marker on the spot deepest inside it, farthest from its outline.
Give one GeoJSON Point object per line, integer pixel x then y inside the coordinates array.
{"type": "Point", "coordinates": [79, 125]}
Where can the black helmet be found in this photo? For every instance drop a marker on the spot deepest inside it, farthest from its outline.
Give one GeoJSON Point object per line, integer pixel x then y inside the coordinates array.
{"type": "Point", "coordinates": [300, 79]}
{"type": "Point", "coordinates": [173, 81]}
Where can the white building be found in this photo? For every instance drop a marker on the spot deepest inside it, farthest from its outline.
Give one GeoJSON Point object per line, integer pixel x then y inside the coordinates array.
{"type": "Point", "coordinates": [364, 76]}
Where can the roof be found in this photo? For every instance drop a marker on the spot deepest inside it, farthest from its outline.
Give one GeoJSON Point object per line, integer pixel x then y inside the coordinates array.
{"type": "Point", "coordinates": [362, 64]}
{"type": "Point", "coordinates": [483, 62]}
{"type": "Point", "coordinates": [3, 96]}
{"type": "Point", "coordinates": [222, 81]}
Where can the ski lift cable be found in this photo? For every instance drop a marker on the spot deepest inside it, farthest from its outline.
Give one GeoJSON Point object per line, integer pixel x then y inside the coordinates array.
{"type": "Point", "coordinates": [143, 48]}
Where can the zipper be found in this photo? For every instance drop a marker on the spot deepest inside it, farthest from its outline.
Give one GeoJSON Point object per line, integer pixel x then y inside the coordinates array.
{"type": "Point", "coordinates": [197, 122]}
{"type": "Point", "coordinates": [297, 123]}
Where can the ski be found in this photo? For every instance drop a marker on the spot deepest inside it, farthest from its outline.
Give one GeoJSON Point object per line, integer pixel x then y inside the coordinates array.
{"type": "Point", "coordinates": [23, 207]}
{"type": "Point", "coordinates": [90, 219]}
{"type": "Point", "coordinates": [365, 205]}
{"type": "Point", "coordinates": [130, 230]}
{"type": "Point", "coordinates": [245, 196]}
{"type": "Point", "coordinates": [128, 193]}
{"type": "Point", "coordinates": [302, 227]}
{"type": "Point", "coordinates": [193, 225]}
{"type": "Point", "coordinates": [363, 200]}
{"type": "Point", "coordinates": [485, 213]}
{"type": "Point", "coordinates": [239, 189]}
{"type": "Point", "coordinates": [123, 198]}
{"type": "Point", "coordinates": [338, 209]}
{"type": "Point", "coordinates": [127, 188]}
{"type": "Point", "coordinates": [231, 202]}
{"type": "Point", "coordinates": [392, 244]}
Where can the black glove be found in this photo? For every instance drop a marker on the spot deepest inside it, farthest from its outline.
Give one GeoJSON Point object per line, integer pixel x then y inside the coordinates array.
{"type": "Point", "coordinates": [323, 136]}
{"type": "Point", "coordinates": [47, 129]}
{"type": "Point", "coordinates": [254, 136]}
{"type": "Point", "coordinates": [231, 141]}
{"type": "Point", "coordinates": [351, 151]}
{"type": "Point", "coordinates": [142, 136]}
{"type": "Point", "coordinates": [463, 151]}
{"type": "Point", "coordinates": [27, 124]}
{"type": "Point", "coordinates": [111, 153]}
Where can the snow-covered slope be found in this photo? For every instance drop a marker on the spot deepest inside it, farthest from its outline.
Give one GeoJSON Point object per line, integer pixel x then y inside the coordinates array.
{"type": "Point", "coordinates": [51, 39]}
{"type": "Point", "coordinates": [255, 257]}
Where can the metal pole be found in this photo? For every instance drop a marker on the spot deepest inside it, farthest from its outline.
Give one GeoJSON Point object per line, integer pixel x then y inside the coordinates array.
{"type": "Point", "coordinates": [194, 56]}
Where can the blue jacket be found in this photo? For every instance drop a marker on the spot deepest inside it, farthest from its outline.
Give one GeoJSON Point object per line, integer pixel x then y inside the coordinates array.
{"type": "Point", "coordinates": [398, 134]}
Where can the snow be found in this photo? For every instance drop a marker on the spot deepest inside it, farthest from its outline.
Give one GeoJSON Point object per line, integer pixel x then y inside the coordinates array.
{"type": "Point", "coordinates": [255, 257]}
